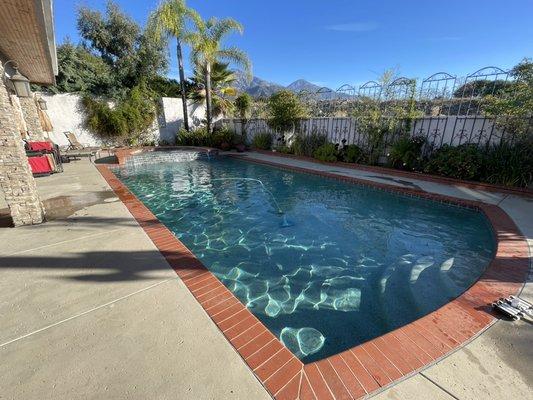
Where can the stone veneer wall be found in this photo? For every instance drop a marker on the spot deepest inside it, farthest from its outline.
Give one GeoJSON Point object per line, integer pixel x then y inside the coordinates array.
{"type": "Point", "coordinates": [16, 179]}
{"type": "Point", "coordinates": [31, 116]}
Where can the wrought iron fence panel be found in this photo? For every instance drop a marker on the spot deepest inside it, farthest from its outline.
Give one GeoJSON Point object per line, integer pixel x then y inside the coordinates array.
{"type": "Point", "coordinates": [346, 97]}
{"type": "Point", "coordinates": [443, 109]}
{"type": "Point", "coordinates": [371, 90]}
{"type": "Point", "coordinates": [325, 102]}
{"type": "Point", "coordinates": [435, 95]}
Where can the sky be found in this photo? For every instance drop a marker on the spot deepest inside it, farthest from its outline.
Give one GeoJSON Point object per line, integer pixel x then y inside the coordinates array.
{"type": "Point", "coordinates": [333, 42]}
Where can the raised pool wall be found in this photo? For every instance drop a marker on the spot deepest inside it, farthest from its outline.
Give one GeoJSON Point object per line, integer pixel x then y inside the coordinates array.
{"type": "Point", "coordinates": [154, 155]}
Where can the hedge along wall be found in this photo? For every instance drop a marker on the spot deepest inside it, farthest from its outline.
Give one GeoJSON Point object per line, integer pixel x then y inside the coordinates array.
{"type": "Point", "coordinates": [66, 114]}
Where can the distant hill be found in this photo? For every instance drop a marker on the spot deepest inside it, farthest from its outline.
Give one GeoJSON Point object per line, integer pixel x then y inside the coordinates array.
{"type": "Point", "coordinates": [302, 84]}
{"type": "Point", "coordinates": [258, 87]}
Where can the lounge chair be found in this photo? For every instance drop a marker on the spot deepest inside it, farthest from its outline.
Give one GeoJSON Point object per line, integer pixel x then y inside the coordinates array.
{"type": "Point", "coordinates": [76, 149]}
{"type": "Point", "coordinates": [75, 144]}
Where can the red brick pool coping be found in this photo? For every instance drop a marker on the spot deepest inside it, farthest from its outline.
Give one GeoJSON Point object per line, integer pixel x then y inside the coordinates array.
{"type": "Point", "coordinates": [368, 367]}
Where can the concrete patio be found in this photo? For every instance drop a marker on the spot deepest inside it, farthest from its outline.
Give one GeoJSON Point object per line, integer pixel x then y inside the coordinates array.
{"type": "Point", "coordinates": [90, 309]}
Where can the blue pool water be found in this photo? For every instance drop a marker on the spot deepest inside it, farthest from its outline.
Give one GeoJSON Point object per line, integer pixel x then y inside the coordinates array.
{"type": "Point", "coordinates": [323, 264]}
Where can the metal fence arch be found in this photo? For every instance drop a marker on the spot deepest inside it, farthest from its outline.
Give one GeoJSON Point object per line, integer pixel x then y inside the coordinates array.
{"type": "Point", "coordinates": [472, 93]}
{"type": "Point", "coordinates": [449, 110]}
{"type": "Point", "coordinates": [371, 90]}
{"type": "Point", "coordinates": [400, 89]}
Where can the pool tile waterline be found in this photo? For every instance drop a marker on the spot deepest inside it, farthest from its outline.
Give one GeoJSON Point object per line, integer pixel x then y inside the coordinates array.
{"type": "Point", "coordinates": [313, 380]}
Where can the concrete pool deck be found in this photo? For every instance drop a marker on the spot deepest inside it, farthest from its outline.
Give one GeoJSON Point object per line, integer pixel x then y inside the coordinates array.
{"type": "Point", "coordinates": [90, 309]}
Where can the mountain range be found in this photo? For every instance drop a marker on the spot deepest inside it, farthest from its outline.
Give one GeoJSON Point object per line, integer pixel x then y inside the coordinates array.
{"type": "Point", "coordinates": [258, 87]}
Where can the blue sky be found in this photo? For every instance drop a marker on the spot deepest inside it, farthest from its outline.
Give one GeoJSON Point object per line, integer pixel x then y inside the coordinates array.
{"type": "Point", "coordinates": [347, 41]}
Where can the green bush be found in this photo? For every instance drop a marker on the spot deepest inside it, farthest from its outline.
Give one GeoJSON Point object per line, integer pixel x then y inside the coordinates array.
{"type": "Point", "coordinates": [285, 110]}
{"type": "Point", "coordinates": [262, 141]}
{"type": "Point", "coordinates": [198, 137]}
{"type": "Point", "coordinates": [326, 152]}
{"type": "Point", "coordinates": [352, 154]}
{"type": "Point", "coordinates": [243, 103]}
{"type": "Point", "coordinates": [127, 121]}
{"type": "Point", "coordinates": [406, 153]}
{"type": "Point", "coordinates": [223, 135]}
{"type": "Point", "coordinates": [201, 138]}
{"type": "Point", "coordinates": [461, 162]}
{"type": "Point", "coordinates": [284, 149]}
{"type": "Point", "coordinates": [509, 165]}
{"type": "Point", "coordinates": [306, 145]}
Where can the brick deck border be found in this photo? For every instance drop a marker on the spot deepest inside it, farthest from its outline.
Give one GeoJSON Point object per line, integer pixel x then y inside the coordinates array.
{"type": "Point", "coordinates": [368, 367]}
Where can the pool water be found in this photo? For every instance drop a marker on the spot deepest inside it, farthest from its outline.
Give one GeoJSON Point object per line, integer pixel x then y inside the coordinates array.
{"type": "Point", "coordinates": [325, 265]}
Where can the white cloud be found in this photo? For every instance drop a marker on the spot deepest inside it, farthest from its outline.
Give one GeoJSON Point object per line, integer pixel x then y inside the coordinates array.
{"type": "Point", "coordinates": [353, 27]}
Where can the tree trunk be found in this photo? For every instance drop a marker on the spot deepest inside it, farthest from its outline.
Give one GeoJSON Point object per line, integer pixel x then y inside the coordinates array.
{"type": "Point", "coordinates": [208, 96]}
{"type": "Point", "coordinates": [182, 84]}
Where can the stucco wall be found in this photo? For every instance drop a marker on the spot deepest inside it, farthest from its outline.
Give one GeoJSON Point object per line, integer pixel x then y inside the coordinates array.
{"type": "Point", "coordinates": [171, 118]}
{"type": "Point", "coordinates": [65, 114]}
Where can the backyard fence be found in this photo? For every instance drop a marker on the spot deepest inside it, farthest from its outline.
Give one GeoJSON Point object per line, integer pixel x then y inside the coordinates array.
{"type": "Point", "coordinates": [442, 108]}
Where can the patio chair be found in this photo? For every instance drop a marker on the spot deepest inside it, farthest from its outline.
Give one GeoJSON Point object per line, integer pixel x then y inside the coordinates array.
{"type": "Point", "coordinates": [75, 144]}
{"type": "Point", "coordinates": [78, 150]}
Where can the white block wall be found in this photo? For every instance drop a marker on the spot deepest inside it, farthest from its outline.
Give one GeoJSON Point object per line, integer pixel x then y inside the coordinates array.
{"type": "Point", "coordinates": [66, 114]}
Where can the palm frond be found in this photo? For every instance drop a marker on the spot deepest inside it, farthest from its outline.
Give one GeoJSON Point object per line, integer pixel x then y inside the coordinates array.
{"type": "Point", "coordinates": [223, 27]}
{"type": "Point", "coordinates": [236, 56]}
{"type": "Point", "coordinates": [170, 19]}
{"type": "Point", "coordinates": [221, 75]}
{"type": "Point", "coordinates": [197, 21]}
{"type": "Point", "coordinates": [197, 56]}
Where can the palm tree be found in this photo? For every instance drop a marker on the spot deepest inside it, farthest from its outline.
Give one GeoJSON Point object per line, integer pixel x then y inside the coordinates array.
{"type": "Point", "coordinates": [222, 89]}
{"type": "Point", "coordinates": [170, 20]}
{"type": "Point", "coordinates": [206, 43]}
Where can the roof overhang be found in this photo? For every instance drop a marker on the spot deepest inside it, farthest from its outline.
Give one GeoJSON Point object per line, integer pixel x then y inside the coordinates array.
{"type": "Point", "coordinates": [27, 37]}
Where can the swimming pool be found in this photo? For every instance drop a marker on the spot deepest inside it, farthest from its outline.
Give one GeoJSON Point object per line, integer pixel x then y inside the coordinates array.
{"type": "Point", "coordinates": [323, 264]}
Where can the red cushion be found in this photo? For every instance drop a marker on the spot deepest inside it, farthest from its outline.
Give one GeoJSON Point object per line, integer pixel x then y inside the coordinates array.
{"type": "Point", "coordinates": [39, 164]}
{"type": "Point", "coordinates": [39, 146]}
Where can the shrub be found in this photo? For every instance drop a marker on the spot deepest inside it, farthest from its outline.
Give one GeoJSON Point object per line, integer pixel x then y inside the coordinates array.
{"type": "Point", "coordinates": [221, 136]}
{"type": "Point", "coordinates": [262, 141]}
{"type": "Point", "coordinates": [284, 149]}
{"type": "Point", "coordinates": [406, 153]}
{"type": "Point", "coordinates": [352, 154]}
{"type": "Point", "coordinates": [461, 162]}
{"type": "Point", "coordinates": [131, 117]}
{"type": "Point", "coordinates": [326, 152]}
{"type": "Point", "coordinates": [306, 145]}
{"type": "Point", "coordinates": [243, 103]}
{"type": "Point", "coordinates": [199, 137]}
{"type": "Point", "coordinates": [509, 165]}
{"type": "Point", "coordinates": [285, 109]}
